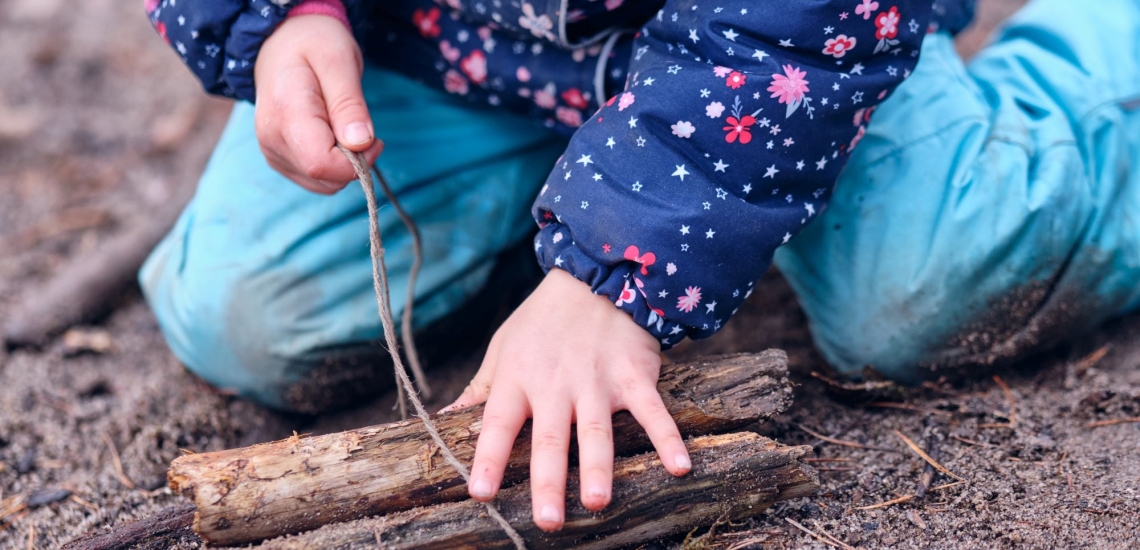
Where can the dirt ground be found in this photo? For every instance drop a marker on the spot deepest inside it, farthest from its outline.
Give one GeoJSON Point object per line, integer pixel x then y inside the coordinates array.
{"type": "Point", "coordinates": [99, 125]}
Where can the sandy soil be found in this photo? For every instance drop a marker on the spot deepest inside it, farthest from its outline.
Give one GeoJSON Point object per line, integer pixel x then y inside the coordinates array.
{"type": "Point", "coordinates": [92, 108]}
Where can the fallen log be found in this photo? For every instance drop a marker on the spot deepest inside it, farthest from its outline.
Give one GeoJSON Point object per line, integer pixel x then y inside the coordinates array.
{"type": "Point", "coordinates": [734, 476]}
{"type": "Point", "coordinates": [158, 531]}
{"type": "Point", "coordinates": [86, 288]}
{"type": "Point", "coordinates": [298, 484]}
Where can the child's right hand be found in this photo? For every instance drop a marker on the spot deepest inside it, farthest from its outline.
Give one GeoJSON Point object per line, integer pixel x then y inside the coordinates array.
{"type": "Point", "coordinates": [308, 98]}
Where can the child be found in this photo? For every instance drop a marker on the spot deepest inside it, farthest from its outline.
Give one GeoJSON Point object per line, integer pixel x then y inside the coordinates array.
{"type": "Point", "coordinates": [719, 132]}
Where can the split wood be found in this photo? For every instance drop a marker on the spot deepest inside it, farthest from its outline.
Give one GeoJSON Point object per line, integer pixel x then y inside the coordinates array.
{"type": "Point", "coordinates": [734, 476]}
{"type": "Point", "coordinates": [297, 484]}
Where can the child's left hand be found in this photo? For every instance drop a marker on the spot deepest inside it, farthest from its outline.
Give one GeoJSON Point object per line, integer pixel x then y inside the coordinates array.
{"type": "Point", "coordinates": [567, 356]}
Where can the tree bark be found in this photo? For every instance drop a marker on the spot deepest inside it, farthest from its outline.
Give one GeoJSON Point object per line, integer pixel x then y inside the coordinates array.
{"type": "Point", "coordinates": [298, 484]}
{"type": "Point", "coordinates": [155, 532]}
{"type": "Point", "coordinates": [734, 476]}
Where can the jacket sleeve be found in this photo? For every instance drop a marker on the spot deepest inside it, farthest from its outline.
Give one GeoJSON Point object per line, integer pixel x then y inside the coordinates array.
{"type": "Point", "coordinates": [734, 124]}
{"type": "Point", "coordinates": [219, 39]}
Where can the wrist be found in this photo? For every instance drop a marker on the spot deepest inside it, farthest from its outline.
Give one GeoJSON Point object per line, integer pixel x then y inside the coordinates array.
{"type": "Point", "coordinates": [329, 8]}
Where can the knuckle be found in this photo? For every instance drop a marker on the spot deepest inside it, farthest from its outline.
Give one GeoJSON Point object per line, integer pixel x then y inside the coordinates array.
{"type": "Point", "coordinates": [549, 441]}
{"type": "Point", "coordinates": [594, 429]}
{"type": "Point", "coordinates": [345, 104]}
{"type": "Point", "coordinates": [547, 487]}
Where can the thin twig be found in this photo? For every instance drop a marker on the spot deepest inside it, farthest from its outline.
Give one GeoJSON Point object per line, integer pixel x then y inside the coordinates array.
{"type": "Point", "coordinates": [947, 485]}
{"type": "Point", "coordinates": [1112, 422]}
{"type": "Point", "coordinates": [1091, 359]}
{"type": "Point", "coordinates": [972, 442]}
{"type": "Point", "coordinates": [118, 464]}
{"type": "Point", "coordinates": [892, 502]}
{"type": "Point", "coordinates": [817, 537]}
{"type": "Point", "coordinates": [1009, 397]}
{"type": "Point", "coordinates": [830, 536]}
{"type": "Point", "coordinates": [926, 457]}
{"type": "Point", "coordinates": [844, 442]}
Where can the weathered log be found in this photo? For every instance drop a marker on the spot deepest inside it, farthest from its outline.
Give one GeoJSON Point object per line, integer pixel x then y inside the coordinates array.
{"type": "Point", "coordinates": [87, 286]}
{"type": "Point", "coordinates": [158, 531]}
{"type": "Point", "coordinates": [294, 485]}
{"type": "Point", "coordinates": [734, 476]}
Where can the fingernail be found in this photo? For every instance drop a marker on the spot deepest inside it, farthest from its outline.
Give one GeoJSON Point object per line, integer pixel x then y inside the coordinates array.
{"type": "Point", "coordinates": [550, 513]}
{"type": "Point", "coordinates": [481, 488]}
{"type": "Point", "coordinates": [596, 491]}
{"type": "Point", "coordinates": [357, 133]}
{"type": "Point", "coordinates": [682, 462]}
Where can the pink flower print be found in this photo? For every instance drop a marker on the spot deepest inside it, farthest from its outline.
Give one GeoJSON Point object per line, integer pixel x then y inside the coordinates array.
{"type": "Point", "coordinates": [838, 46]}
{"type": "Point", "coordinates": [545, 97]}
{"type": "Point", "coordinates": [790, 87]}
{"type": "Point", "coordinates": [683, 129]}
{"type": "Point", "coordinates": [454, 82]}
{"type": "Point", "coordinates": [538, 25]}
{"type": "Point", "coordinates": [574, 98]}
{"type": "Point", "coordinates": [626, 100]}
{"type": "Point", "coordinates": [739, 129]}
{"type": "Point", "coordinates": [454, 4]}
{"type": "Point", "coordinates": [151, 5]}
{"type": "Point", "coordinates": [427, 22]}
{"type": "Point", "coordinates": [449, 52]}
{"type": "Point", "coordinates": [888, 24]}
{"type": "Point", "coordinates": [475, 66]}
{"type": "Point", "coordinates": [866, 9]}
{"type": "Point", "coordinates": [634, 255]}
{"type": "Point", "coordinates": [735, 80]}
{"type": "Point", "coordinates": [612, 5]}
{"type": "Point", "coordinates": [569, 117]}
{"type": "Point", "coordinates": [161, 28]}
{"type": "Point", "coordinates": [484, 33]}
{"type": "Point", "coordinates": [522, 74]}
{"type": "Point", "coordinates": [626, 297]}
{"type": "Point", "coordinates": [721, 72]}
{"type": "Point", "coordinates": [714, 109]}
{"type": "Point", "coordinates": [690, 300]}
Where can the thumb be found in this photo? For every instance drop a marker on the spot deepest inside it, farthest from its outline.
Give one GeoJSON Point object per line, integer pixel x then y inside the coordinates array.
{"type": "Point", "coordinates": [344, 99]}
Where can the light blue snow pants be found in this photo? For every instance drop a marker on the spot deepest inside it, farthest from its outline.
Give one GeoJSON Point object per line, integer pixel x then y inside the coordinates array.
{"type": "Point", "coordinates": [990, 210]}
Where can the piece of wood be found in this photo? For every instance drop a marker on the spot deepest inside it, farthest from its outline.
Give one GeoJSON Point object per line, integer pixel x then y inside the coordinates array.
{"type": "Point", "coordinates": [734, 476]}
{"type": "Point", "coordinates": [86, 288]}
{"type": "Point", "coordinates": [158, 531]}
{"type": "Point", "coordinates": [298, 484]}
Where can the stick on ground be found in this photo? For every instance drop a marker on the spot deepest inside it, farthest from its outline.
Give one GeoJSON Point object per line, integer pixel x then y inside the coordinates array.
{"type": "Point", "coordinates": [289, 486]}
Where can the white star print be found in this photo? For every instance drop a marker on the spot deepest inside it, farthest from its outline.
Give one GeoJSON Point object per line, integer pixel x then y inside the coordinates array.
{"type": "Point", "coordinates": [640, 141]}
{"type": "Point", "coordinates": [675, 330]}
{"type": "Point", "coordinates": [720, 165]}
{"type": "Point", "coordinates": [759, 55]}
{"type": "Point", "coordinates": [707, 205]}
{"type": "Point", "coordinates": [632, 122]}
{"type": "Point", "coordinates": [823, 101]}
{"type": "Point", "coordinates": [693, 35]}
{"type": "Point", "coordinates": [828, 29]}
{"type": "Point", "coordinates": [681, 172]}
{"type": "Point", "coordinates": [637, 186]}
{"type": "Point", "coordinates": [662, 294]}
{"type": "Point", "coordinates": [770, 144]}
{"type": "Point", "coordinates": [648, 81]}
{"type": "Point", "coordinates": [822, 162]}
{"type": "Point", "coordinates": [558, 261]}
{"type": "Point", "coordinates": [610, 142]}
{"type": "Point", "coordinates": [674, 69]}
{"type": "Point", "coordinates": [597, 177]}
{"type": "Point", "coordinates": [730, 34]}
{"type": "Point", "coordinates": [857, 69]}
{"type": "Point", "coordinates": [892, 71]}
{"type": "Point", "coordinates": [705, 93]}
{"type": "Point", "coordinates": [711, 306]}
{"type": "Point", "coordinates": [789, 142]}
{"type": "Point", "coordinates": [772, 171]}
{"type": "Point", "coordinates": [810, 208]}
{"type": "Point", "coordinates": [721, 193]}
{"type": "Point", "coordinates": [585, 205]}
{"type": "Point", "coordinates": [709, 234]}
{"type": "Point", "coordinates": [800, 165]}
{"type": "Point", "coordinates": [747, 188]}
{"type": "Point", "coordinates": [684, 247]}
{"type": "Point", "coordinates": [787, 237]}
{"type": "Point", "coordinates": [835, 86]}
{"type": "Point", "coordinates": [787, 43]}
{"type": "Point", "coordinates": [913, 26]}
{"type": "Point", "coordinates": [585, 160]}
{"type": "Point", "coordinates": [684, 230]}
{"type": "Point", "coordinates": [567, 175]}
{"type": "Point", "coordinates": [857, 98]}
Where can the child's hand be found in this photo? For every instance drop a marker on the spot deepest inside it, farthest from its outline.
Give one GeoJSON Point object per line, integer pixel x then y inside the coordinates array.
{"type": "Point", "coordinates": [308, 98]}
{"type": "Point", "coordinates": [567, 355]}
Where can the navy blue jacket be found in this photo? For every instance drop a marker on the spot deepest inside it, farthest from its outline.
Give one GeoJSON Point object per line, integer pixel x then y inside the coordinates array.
{"type": "Point", "coordinates": [704, 135]}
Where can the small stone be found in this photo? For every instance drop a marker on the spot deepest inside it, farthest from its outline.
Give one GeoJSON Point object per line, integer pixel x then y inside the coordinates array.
{"type": "Point", "coordinates": [41, 497]}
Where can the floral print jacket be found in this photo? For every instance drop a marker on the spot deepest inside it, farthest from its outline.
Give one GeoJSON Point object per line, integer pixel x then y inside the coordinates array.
{"type": "Point", "coordinates": [705, 133]}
